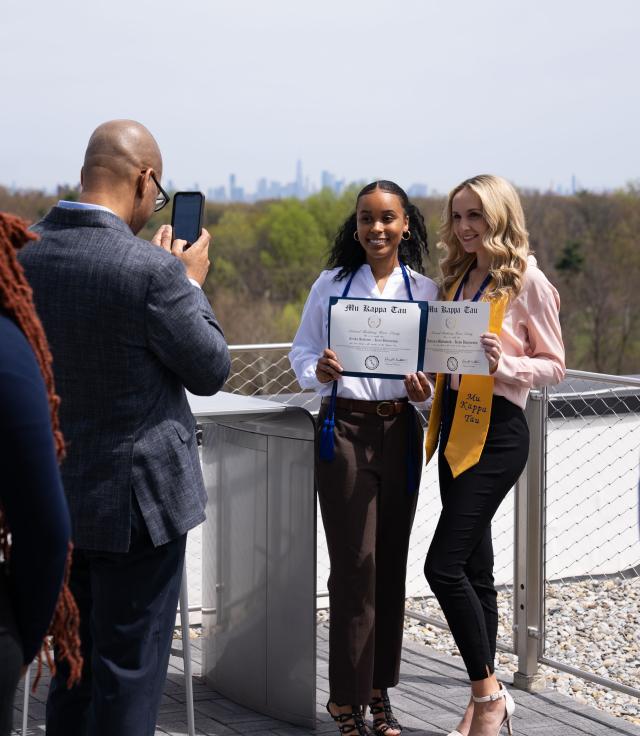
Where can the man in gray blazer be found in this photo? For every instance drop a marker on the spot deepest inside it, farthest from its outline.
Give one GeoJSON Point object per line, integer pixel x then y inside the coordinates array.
{"type": "Point", "coordinates": [129, 329]}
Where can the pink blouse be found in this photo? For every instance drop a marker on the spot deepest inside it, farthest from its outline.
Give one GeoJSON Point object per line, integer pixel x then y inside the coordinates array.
{"type": "Point", "coordinates": [532, 348]}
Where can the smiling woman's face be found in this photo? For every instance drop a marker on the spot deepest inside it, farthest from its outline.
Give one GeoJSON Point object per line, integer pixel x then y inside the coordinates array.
{"type": "Point", "coordinates": [469, 225]}
{"type": "Point", "coordinates": [381, 221]}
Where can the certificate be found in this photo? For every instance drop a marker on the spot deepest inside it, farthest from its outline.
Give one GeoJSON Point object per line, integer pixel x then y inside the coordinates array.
{"type": "Point", "coordinates": [453, 338]}
{"type": "Point", "coordinates": [377, 337]}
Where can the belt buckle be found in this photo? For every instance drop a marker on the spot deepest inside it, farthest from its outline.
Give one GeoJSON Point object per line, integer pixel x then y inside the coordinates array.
{"type": "Point", "coordinates": [385, 409]}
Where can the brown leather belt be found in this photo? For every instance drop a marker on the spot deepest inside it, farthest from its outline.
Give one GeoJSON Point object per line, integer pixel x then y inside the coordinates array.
{"type": "Point", "coordinates": [384, 409]}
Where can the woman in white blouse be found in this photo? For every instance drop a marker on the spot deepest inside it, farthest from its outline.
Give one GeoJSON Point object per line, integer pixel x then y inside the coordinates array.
{"type": "Point", "coordinates": [368, 480]}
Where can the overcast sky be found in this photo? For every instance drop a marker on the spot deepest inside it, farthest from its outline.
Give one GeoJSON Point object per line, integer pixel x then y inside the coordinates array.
{"type": "Point", "coordinates": [426, 91]}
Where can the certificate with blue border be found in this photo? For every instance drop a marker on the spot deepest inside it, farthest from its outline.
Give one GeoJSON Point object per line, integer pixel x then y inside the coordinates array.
{"type": "Point", "coordinates": [378, 337]}
{"type": "Point", "coordinates": [453, 338]}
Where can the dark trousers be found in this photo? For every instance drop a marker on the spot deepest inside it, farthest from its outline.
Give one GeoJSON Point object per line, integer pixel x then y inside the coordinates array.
{"type": "Point", "coordinates": [367, 513]}
{"type": "Point", "coordinates": [127, 605]}
{"type": "Point", "coordinates": [10, 656]}
{"type": "Point", "coordinates": [459, 565]}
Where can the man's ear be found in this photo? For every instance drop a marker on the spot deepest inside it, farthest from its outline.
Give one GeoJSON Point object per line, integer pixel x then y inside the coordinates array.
{"type": "Point", "coordinates": [143, 182]}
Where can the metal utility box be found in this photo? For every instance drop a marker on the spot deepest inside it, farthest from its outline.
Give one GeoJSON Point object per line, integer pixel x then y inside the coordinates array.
{"type": "Point", "coordinates": [259, 555]}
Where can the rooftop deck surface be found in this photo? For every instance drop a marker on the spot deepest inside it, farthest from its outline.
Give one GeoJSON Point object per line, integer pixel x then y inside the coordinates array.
{"type": "Point", "coordinates": [428, 701]}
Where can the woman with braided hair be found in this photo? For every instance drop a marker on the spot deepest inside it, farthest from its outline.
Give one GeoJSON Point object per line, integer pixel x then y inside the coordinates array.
{"type": "Point", "coordinates": [34, 520]}
{"type": "Point", "coordinates": [368, 456]}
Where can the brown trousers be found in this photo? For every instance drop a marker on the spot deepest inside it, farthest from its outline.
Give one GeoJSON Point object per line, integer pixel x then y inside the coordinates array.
{"type": "Point", "coordinates": [367, 512]}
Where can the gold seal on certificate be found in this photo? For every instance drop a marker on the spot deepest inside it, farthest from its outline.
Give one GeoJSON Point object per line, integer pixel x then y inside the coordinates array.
{"type": "Point", "coordinates": [377, 337]}
{"type": "Point", "coordinates": [453, 338]}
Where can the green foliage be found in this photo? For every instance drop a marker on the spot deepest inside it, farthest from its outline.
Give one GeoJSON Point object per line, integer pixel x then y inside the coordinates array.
{"type": "Point", "coordinates": [288, 320]}
{"type": "Point", "coordinates": [233, 246]}
{"type": "Point", "coordinates": [571, 259]}
{"type": "Point", "coordinates": [290, 234]}
{"type": "Point", "coordinates": [31, 205]}
{"type": "Point", "coordinates": [292, 249]}
{"type": "Point", "coordinates": [70, 195]}
{"type": "Point", "coordinates": [330, 211]}
{"type": "Point", "coordinates": [265, 257]}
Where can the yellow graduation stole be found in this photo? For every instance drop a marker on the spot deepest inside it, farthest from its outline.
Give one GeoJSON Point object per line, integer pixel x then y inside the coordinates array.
{"type": "Point", "coordinates": [473, 409]}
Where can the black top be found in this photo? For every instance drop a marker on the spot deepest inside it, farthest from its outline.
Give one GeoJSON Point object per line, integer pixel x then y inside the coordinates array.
{"type": "Point", "coordinates": [30, 490]}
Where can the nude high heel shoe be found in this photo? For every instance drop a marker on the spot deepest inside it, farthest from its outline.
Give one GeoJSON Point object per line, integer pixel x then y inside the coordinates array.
{"type": "Point", "coordinates": [455, 731]}
{"type": "Point", "coordinates": [509, 703]}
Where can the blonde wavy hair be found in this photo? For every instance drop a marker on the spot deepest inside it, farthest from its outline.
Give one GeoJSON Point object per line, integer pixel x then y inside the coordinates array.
{"type": "Point", "coordinates": [506, 239]}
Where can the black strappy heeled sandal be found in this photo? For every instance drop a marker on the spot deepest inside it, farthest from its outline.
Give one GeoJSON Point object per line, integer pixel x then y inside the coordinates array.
{"type": "Point", "coordinates": [383, 718]}
{"type": "Point", "coordinates": [350, 724]}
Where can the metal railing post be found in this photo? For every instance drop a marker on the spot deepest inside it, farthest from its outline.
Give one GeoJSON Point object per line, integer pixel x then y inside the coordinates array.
{"type": "Point", "coordinates": [528, 598]}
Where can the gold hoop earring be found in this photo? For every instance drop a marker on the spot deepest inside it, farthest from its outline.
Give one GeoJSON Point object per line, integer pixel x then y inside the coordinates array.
{"type": "Point", "coordinates": [355, 236]}
{"type": "Point", "coordinates": [408, 234]}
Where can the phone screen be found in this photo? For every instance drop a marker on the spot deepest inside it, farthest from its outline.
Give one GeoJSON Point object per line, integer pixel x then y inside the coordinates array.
{"type": "Point", "coordinates": [186, 219]}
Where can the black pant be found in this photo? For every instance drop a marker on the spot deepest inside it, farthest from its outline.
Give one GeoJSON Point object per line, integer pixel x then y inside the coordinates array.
{"type": "Point", "coordinates": [367, 511]}
{"type": "Point", "coordinates": [459, 565]}
{"type": "Point", "coordinates": [10, 656]}
{"type": "Point", "coordinates": [127, 605]}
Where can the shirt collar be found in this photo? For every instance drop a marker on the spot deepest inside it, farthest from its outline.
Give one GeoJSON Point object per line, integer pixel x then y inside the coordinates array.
{"type": "Point", "coordinates": [67, 205]}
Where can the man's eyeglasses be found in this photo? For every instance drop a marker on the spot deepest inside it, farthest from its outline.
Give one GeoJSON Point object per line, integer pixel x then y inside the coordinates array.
{"type": "Point", "coordinates": [162, 198]}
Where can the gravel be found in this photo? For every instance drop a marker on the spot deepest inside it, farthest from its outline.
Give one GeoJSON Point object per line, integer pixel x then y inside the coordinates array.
{"type": "Point", "coordinates": [593, 625]}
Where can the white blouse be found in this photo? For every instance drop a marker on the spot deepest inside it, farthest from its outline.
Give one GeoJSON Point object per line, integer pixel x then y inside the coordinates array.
{"type": "Point", "coordinates": [312, 335]}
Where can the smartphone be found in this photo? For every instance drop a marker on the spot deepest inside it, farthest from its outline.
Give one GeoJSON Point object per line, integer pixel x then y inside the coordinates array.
{"type": "Point", "coordinates": [186, 216]}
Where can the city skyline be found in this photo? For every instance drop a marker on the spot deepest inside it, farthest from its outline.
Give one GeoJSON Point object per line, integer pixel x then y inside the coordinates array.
{"type": "Point", "coordinates": [303, 186]}
{"type": "Point", "coordinates": [300, 187]}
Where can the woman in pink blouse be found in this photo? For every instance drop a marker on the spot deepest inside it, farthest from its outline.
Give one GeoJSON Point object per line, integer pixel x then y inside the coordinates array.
{"type": "Point", "coordinates": [479, 423]}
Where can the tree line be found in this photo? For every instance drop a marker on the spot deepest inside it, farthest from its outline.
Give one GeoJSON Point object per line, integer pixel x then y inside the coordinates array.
{"type": "Point", "coordinates": [266, 255]}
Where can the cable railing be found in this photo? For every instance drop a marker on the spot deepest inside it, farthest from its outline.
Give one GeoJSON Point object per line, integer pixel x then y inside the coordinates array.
{"type": "Point", "coordinates": [566, 542]}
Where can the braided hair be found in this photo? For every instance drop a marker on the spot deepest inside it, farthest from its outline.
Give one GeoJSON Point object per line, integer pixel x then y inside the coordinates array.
{"type": "Point", "coordinates": [16, 300]}
{"type": "Point", "coordinates": [349, 256]}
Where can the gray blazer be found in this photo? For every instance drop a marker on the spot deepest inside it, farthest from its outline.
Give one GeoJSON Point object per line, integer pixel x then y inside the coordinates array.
{"type": "Point", "coordinates": [128, 334]}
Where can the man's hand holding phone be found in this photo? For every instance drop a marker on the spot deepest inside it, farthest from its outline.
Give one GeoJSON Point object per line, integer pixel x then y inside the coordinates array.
{"type": "Point", "coordinates": [195, 257]}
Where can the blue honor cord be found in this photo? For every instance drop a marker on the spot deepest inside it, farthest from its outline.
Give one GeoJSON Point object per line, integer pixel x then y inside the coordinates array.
{"type": "Point", "coordinates": [326, 449]}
